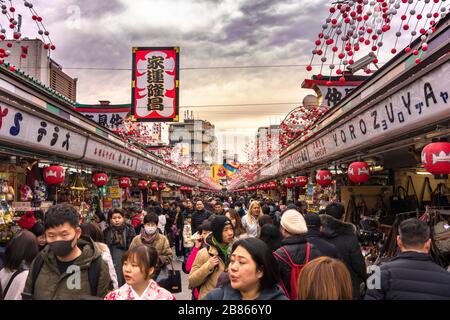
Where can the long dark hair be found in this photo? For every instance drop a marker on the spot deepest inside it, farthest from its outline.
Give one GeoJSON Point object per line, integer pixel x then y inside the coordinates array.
{"type": "Point", "coordinates": [23, 247]}
{"type": "Point", "coordinates": [264, 260]}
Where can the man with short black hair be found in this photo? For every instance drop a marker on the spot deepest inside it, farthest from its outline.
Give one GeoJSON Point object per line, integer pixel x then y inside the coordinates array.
{"type": "Point", "coordinates": [218, 209]}
{"type": "Point", "coordinates": [71, 265]}
{"type": "Point", "coordinates": [199, 215]}
{"type": "Point", "coordinates": [412, 275]}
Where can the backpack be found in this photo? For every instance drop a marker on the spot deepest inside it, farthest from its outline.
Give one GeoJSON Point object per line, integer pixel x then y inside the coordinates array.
{"type": "Point", "coordinates": [93, 273]}
{"type": "Point", "coordinates": [295, 271]}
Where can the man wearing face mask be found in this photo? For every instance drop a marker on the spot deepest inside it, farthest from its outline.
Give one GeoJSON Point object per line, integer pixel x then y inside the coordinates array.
{"type": "Point", "coordinates": [151, 237]}
{"type": "Point", "coordinates": [70, 266]}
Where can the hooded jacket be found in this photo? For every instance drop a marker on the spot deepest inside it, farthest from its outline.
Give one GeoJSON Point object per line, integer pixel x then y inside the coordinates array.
{"type": "Point", "coordinates": [412, 276]}
{"type": "Point", "coordinates": [326, 248]}
{"type": "Point", "coordinates": [228, 293]}
{"type": "Point", "coordinates": [202, 275]}
{"type": "Point", "coordinates": [343, 236]}
{"type": "Point", "coordinates": [52, 285]}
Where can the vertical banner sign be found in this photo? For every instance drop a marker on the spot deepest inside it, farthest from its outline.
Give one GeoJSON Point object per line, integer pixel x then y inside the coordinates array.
{"type": "Point", "coordinates": [155, 84]}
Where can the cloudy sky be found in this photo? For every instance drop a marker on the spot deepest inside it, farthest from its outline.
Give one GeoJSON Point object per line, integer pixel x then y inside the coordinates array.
{"type": "Point", "coordinates": [210, 33]}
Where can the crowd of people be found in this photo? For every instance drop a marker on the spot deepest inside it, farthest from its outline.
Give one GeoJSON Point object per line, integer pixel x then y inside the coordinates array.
{"type": "Point", "coordinates": [231, 248]}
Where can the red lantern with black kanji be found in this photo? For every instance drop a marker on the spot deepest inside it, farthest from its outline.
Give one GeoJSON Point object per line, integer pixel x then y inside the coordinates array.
{"type": "Point", "coordinates": [358, 172]}
{"type": "Point", "coordinates": [142, 184]}
{"type": "Point", "coordinates": [54, 175]}
{"type": "Point", "coordinates": [324, 178]}
{"type": "Point", "coordinates": [301, 181]}
{"type": "Point", "coordinates": [124, 182]}
{"type": "Point", "coordinates": [162, 186]}
{"type": "Point", "coordinates": [289, 182]}
{"type": "Point", "coordinates": [154, 185]}
{"type": "Point", "coordinates": [100, 179]}
{"type": "Point", "coordinates": [436, 158]}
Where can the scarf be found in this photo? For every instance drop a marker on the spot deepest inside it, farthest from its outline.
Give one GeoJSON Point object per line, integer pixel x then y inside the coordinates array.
{"type": "Point", "coordinates": [222, 249]}
{"type": "Point", "coordinates": [149, 239]}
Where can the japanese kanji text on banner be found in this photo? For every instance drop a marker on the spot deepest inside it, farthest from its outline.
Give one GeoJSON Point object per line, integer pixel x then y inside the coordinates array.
{"type": "Point", "coordinates": [155, 84]}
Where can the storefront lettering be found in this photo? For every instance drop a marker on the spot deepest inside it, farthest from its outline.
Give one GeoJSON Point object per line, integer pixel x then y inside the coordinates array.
{"type": "Point", "coordinates": [15, 130]}
{"type": "Point", "coordinates": [3, 113]}
{"type": "Point", "coordinates": [42, 131]}
{"type": "Point", "coordinates": [444, 96]}
{"type": "Point", "coordinates": [429, 94]}
{"type": "Point", "coordinates": [55, 137]}
{"type": "Point", "coordinates": [66, 142]}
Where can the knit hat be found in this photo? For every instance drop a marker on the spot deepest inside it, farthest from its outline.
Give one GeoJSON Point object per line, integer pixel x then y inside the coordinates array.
{"type": "Point", "coordinates": [312, 221]}
{"type": "Point", "coordinates": [27, 221]}
{"type": "Point", "coordinates": [293, 222]}
{"type": "Point", "coordinates": [217, 225]}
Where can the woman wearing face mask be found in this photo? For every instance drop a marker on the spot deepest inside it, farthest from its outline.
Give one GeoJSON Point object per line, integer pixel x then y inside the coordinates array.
{"type": "Point", "coordinates": [253, 274]}
{"type": "Point", "coordinates": [151, 237]}
{"type": "Point", "coordinates": [138, 269]}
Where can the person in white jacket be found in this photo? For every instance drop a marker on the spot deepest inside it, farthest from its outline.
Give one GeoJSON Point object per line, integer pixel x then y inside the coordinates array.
{"type": "Point", "coordinates": [19, 254]}
{"type": "Point", "coordinates": [93, 231]}
{"type": "Point", "coordinates": [250, 220]}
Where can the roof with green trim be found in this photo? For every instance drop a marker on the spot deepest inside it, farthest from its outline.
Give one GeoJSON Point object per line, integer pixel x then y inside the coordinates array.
{"type": "Point", "coordinates": [21, 75]}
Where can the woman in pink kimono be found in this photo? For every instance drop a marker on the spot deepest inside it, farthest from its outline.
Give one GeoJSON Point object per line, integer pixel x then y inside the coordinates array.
{"type": "Point", "coordinates": [138, 267]}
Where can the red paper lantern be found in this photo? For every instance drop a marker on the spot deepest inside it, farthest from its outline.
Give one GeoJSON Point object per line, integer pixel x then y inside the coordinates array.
{"type": "Point", "coordinates": [124, 182]}
{"type": "Point", "coordinates": [54, 175]}
{"type": "Point", "coordinates": [100, 179]}
{"type": "Point", "coordinates": [154, 185]}
{"type": "Point", "coordinates": [358, 172]}
{"type": "Point", "coordinates": [162, 186]}
{"type": "Point", "coordinates": [142, 184]}
{"type": "Point", "coordinates": [289, 183]}
{"type": "Point", "coordinates": [301, 181]}
{"type": "Point", "coordinates": [273, 185]}
{"type": "Point", "coordinates": [324, 178]}
{"type": "Point", "coordinates": [436, 158]}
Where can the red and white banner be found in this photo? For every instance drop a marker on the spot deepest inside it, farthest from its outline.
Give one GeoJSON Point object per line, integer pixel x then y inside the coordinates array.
{"type": "Point", "coordinates": [155, 85]}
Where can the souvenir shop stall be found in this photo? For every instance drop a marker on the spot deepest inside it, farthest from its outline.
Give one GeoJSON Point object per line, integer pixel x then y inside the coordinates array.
{"type": "Point", "coordinates": [50, 153]}
{"type": "Point", "coordinates": [384, 151]}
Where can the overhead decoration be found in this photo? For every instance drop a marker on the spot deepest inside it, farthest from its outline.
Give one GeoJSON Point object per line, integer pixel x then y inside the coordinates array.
{"type": "Point", "coordinates": [125, 182]}
{"type": "Point", "coordinates": [436, 158]}
{"type": "Point", "coordinates": [355, 28]}
{"type": "Point", "coordinates": [155, 84]}
{"type": "Point", "coordinates": [54, 175]}
{"type": "Point", "coordinates": [142, 184]}
{"type": "Point", "coordinates": [301, 181]}
{"type": "Point", "coordinates": [11, 24]}
{"type": "Point", "coordinates": [100, 179]}
{"type": "Point", "coordinates": [358, 172]}
{"type": "Point", "coordinates": [324, 178]}
{"type": "Point", "coordinates": [289, 182]}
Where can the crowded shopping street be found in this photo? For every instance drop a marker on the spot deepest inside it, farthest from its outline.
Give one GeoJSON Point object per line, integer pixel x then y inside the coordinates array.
{"type": "Point", "coordinates": [224, 151]}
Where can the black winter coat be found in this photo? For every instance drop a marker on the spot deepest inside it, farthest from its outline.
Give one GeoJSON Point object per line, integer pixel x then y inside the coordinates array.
{"type": "Point", "coordinates": [198, 217]}
{"type": "Point", "coordinates": [412, 276]}
{"type": "Point", "coordinates": [170, 218]}
{"type": "Point", "coordinates": [343, 236]}
{"type": "Point", "coordinates": [296, 247]}
{"type": "Point", "coordinates": [326, 248]}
